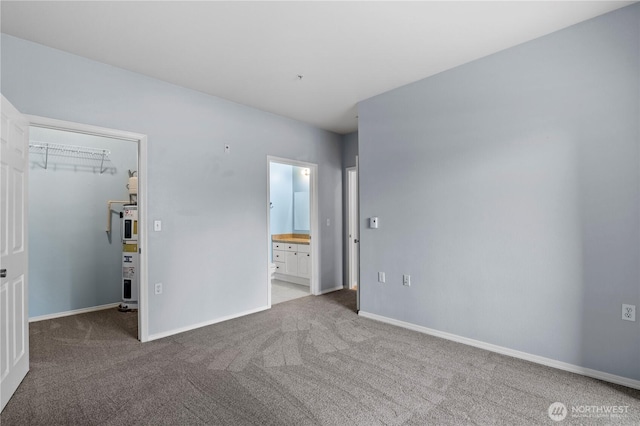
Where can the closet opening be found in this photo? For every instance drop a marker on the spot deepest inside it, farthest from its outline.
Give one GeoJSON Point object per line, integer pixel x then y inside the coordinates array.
{"type": "Point", "coordinates": [86, 223]}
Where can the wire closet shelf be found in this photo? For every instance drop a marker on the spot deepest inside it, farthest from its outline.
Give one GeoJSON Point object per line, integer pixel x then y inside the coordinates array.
{"type": "Point", "coordinates": [83, 152]}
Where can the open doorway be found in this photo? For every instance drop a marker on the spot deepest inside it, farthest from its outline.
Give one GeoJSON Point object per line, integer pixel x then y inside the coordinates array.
{"type": "Point", "coordinates": [82, 179]}
{"type": "Point", "coordinates": [292, 229]}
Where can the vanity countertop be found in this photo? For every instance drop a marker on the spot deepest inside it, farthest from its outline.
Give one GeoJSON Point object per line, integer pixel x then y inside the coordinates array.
{"type": "Point", "coordinates": [291, 238]}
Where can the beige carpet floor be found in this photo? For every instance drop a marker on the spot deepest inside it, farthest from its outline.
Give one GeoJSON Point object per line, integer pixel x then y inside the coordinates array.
{"type": "Point", "coordinates": [309, 361]}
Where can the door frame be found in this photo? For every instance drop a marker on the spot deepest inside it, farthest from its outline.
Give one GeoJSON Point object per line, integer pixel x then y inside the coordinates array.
{"type": "Point", "coordinates": [141, 140]}
{"type": "Point", "coordinates": [314, 221]}
{"type": "Point", "coordinates": [352, 224]}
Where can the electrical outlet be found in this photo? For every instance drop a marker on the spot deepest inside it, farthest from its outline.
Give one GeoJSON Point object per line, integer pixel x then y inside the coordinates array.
{"type": "Point", "coordinates": [629, 312]}
{"type": "Point", "coordinates": [406, 280]}
{"type": "Point", "coordinates": [158, 288]}
{"type": "Point", "coordinates": [381, 277]}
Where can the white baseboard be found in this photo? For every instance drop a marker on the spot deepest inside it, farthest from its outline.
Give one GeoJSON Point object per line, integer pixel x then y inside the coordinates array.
{"type": "Point", "coordinates": [329, 290]}
{"type": "Point", "coordinates": [203, 324]}
{"type": "Point", "coordinates": [73, 312]}
{"type": "Point", "coordinates": [600, 375]}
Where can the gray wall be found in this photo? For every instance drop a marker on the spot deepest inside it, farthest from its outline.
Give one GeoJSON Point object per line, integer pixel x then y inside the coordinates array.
{"type": "Point", "coordinates": [212, 252]}
{"type": "Point", "coordinates": [509, 189]}
{"type": "Point", "coordinates": [349, 150]}
{"type": "Point", "coordinates": [73, 263]}
{"type": "Point", "coordinates": [349, 154]}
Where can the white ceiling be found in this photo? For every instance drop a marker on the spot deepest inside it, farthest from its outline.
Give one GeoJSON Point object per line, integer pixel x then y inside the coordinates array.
{"type": "Point", "coordinates": [253, 52]}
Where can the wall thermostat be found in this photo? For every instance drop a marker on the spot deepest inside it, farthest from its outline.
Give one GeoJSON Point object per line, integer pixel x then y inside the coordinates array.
{"type": "Point", "coordinates": [373, 222]}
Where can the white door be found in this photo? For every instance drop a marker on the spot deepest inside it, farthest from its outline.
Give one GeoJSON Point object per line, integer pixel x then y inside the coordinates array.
{"type": "Point", "coordinates": [14, 316]}
{"type": "Point", "coordinates": [352, 203]}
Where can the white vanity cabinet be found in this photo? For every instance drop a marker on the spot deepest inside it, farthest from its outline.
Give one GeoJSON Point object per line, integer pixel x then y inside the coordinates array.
{"type": "Point", "coordinates": [293, 262]}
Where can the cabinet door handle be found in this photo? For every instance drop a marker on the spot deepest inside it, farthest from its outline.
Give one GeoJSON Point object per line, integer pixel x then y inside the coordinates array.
{"type": "Point", "coordinates": [307, 255]}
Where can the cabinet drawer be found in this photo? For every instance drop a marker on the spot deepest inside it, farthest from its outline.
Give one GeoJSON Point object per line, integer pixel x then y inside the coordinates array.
{"type": "Point", "coordinates": [278, 246]}
{"type": "Point", "coordinates": [278, 256]}
{"type": "Point", "coordinates": [304, 248]}
{"type": "Point", "coordinates": [279, 267]}
{"type": "Point", "coordinates": [290, 247]}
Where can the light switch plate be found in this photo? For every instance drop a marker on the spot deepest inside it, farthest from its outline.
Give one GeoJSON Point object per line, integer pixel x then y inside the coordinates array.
{"type": "Point", "coordinates": [406, 280]}
{"type": "Point", "coordinates": [157, 225]}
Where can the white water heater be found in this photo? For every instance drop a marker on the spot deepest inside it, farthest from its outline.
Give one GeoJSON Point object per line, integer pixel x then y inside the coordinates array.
{"type": "Point", "coordinates": [130, 258]}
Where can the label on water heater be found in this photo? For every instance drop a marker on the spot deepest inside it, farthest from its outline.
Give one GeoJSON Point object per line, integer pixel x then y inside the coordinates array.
{"type": "Point", "coordinates": [130, 223]}
{"type": "Point", "coordinates": [129, 273]}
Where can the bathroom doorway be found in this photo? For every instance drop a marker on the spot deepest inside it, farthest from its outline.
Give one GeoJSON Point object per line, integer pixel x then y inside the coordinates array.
{"type": "Point", "coordinates": [293, 240]}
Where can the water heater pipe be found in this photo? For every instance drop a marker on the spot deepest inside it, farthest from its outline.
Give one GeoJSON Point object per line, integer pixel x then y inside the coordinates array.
{"type": "Point", "coordinates": [109, 211]}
